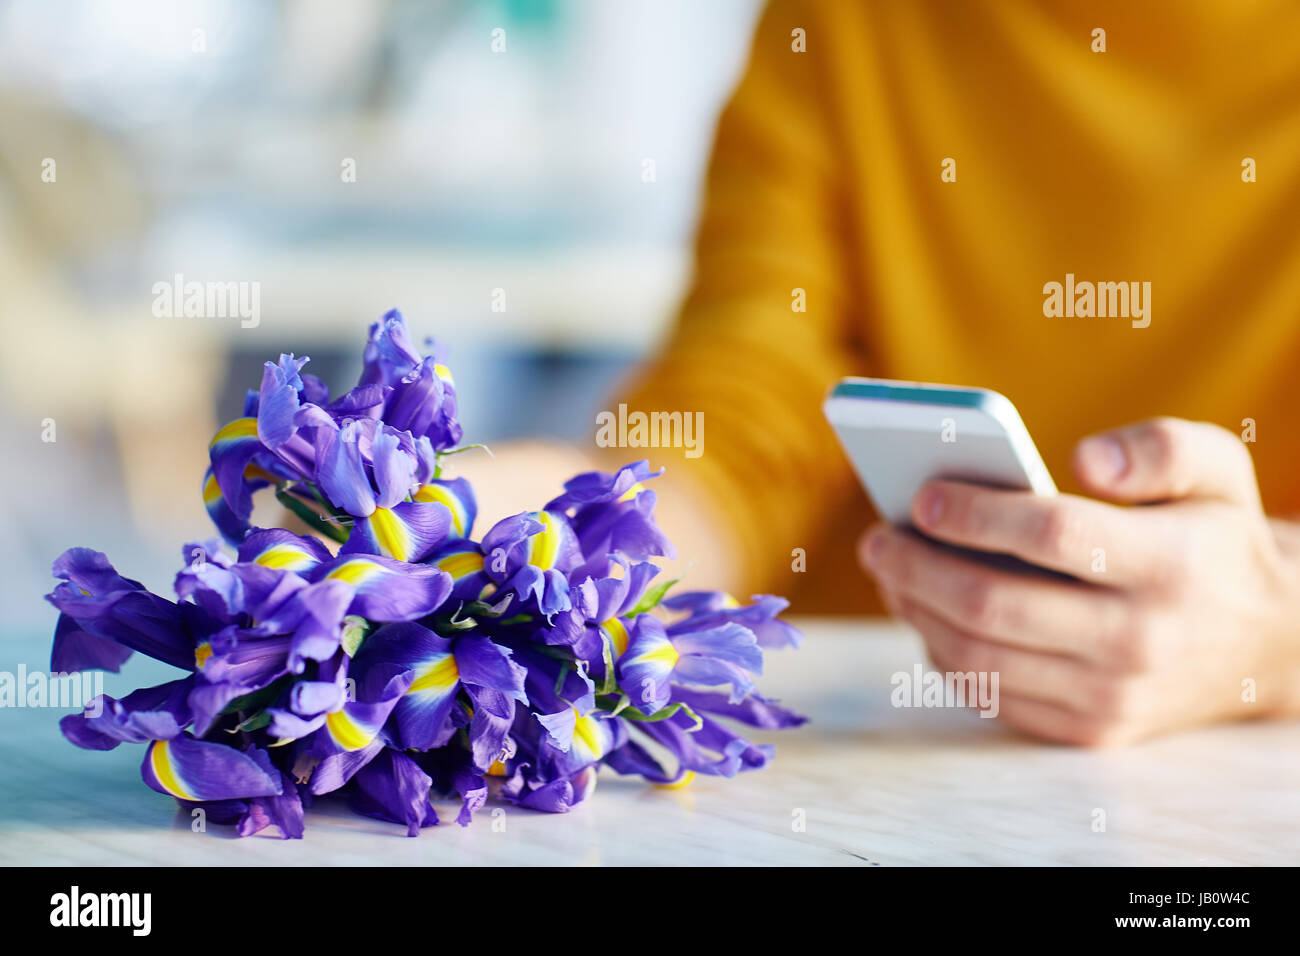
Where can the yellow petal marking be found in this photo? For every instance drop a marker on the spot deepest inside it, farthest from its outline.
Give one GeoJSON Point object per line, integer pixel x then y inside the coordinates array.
{"type": "Point", "coordinates": [440, 676]}
{"type": "Point", "coordinates": [356, 572]}
{"type": "Point", "coordinates": [211, 490]}
{"type": "Point", "coordinates": [617, 632]}
{"type": "Point", "coordinates": [239, 428]}
{"type": "Point", "coordinates": [461, 564]}
{"type": "Point", "coordinates": [346, 732]}
{"type": "Point", "coordinates": [285, 556]}
{"type": "Point", "coordinates": [546, 543]}
{"type": "Point", "coordinates": [632, 492]}
{"type": "Point", "coordinates": [687, 777]}
{"type": "Point", "coordinates": [390, 533]}
{"type": "Point", "coordinates": [160, 761]}
{"type": "Point", "coordinates": [665, 653]}
{"type": "Point", "coordinates": [440, 494]}
{"type": "Point", "coordinates": [586, 732]}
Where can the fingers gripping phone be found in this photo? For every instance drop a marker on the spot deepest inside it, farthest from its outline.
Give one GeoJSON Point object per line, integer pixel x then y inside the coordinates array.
{"type": "Point", "coordinates": [899, 435]}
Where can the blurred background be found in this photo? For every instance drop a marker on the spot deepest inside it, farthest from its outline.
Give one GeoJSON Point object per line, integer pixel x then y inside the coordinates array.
{"type": "Point", "coordinates": [519, 177]}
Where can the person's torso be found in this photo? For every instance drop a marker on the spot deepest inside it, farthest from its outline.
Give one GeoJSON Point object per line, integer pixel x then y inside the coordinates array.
{"type": "Point", "coordinates": [1117, 175]}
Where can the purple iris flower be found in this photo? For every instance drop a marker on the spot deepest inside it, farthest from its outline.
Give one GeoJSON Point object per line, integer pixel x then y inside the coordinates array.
{"type": "Point", "coordinates": [706, 609]}
{"type": "Point", "coordinates": [394, 654]}
{"type": "Point", "coordinates": [613, 513]}
{"type": "Point", "coordinates": [439, 670]}
{"type": "Point", "coordinates": [151, 713]}
{"type": "Point", "coordinates": [595, 626]}
{"type": "Point", "coordinates": [656, 659]}
{"type": "Point", "coordinates": [531, 555]}
{"type": "Point", "coordinates": [369, 450]}
{"type": "Point", "coordinates": [423, 396]}
{"type": "Point", "coordinates": [104, 617]}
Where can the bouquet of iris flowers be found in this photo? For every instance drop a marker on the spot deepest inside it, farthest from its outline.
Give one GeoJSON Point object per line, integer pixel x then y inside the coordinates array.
{"type": "Point", "coordinates": [388, 654]}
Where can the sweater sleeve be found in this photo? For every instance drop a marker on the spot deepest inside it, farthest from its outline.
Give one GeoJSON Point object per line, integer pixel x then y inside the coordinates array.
{"type": "Point", "coordinates": [763, 331]}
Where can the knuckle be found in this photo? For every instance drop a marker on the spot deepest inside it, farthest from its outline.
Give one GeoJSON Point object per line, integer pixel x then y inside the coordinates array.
{"type": "Point", "coordinates": [1058, 532]}
{"type": "Point", "coordinates": [1132, 642]}
{"type": "Point", "coordinates": [982, 603]}
{"type": "Point", "coordinates": [958, 651]}
{"type": "Point", "coordinates": [969, 517]}
{"type": "Point", "coordinates": [1165, 441]}
{"type": "Point", "coordinates": [897, 565]}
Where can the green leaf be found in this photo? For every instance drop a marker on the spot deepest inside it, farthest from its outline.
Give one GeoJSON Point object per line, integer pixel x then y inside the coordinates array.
{"type": "Point", "coordinates": [631, 713]}
{"type": "Point", "coordinates": [454, 622]}
{"type": "Point", "coordinates": [258, 698]}
{"type": "Point", "coordinates": [457, 451]}
{"type": "Point", "coordinates": [651, 597]}
{"type": "Point", "coordinates": [610, 683]}
{"type": "Point", "coordinates": [256, 722]}
{"type": "Point", "coordinates": [355, 630]}
{"type": "Point", "coordinates": [483, 609]}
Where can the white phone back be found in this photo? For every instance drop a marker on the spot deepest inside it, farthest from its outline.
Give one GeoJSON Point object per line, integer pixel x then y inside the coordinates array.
{"type": "Point", "coordinates": [899, 435]}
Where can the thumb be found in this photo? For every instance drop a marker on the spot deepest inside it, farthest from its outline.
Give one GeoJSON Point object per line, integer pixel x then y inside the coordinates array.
{"type": "Point", "coordinates": [1164, 459]}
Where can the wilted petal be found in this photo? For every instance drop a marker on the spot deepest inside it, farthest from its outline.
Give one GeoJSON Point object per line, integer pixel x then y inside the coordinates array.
{"type": "Point", "coordinates": [392, 787]}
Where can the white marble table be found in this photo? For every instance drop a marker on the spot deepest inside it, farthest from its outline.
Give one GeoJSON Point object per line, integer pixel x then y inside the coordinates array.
{"type": "Point", "coordinates": [876, 785]}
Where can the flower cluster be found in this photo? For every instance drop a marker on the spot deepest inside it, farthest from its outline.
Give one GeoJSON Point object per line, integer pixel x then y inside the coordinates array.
{"type": "Point", "coordinates": [389, 654]}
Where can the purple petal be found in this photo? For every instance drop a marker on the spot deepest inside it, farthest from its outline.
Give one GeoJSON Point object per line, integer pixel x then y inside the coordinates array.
{"type": "Point", "coordinates": [340, 472]}
{"type": "Point", "coordinates": [392, 787]}
{"type": "Point", "coordinates": [151, 713]}
{"type": "Point", "coordinates": [410, 531]}
{"type": "Point", "coordinates": [489, 665]}
{"type": "Point", "coordinates": [192, 769]}
{"type": "Point", "coordinates": [394, 468]}
{"type": "Point", "coordinates": [76, 650]}
{"type": "Point", "coordinates": [385, 590]}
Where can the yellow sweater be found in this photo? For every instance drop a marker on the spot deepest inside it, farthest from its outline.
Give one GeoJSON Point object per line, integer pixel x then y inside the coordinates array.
{"type": "Point", "coordinates": [919, 175]}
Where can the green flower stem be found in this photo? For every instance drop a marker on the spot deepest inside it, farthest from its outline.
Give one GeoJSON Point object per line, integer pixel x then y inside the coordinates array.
{"type": "Point", "coordinates": [310, 516]}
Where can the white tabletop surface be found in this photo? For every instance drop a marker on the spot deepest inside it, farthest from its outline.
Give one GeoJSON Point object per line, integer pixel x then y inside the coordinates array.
{"type": "Point", "coordinates": [875, 785]}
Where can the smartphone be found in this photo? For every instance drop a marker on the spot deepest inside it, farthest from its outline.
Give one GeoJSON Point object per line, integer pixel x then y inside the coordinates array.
{"type": "Point", "coordinates": [899, 435]}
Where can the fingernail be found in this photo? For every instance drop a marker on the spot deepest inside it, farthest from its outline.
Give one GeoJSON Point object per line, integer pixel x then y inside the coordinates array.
{"type": "Point", "coordinates": [1104, 456]}
{"type": "Point", "coordinates": [930, 507]}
